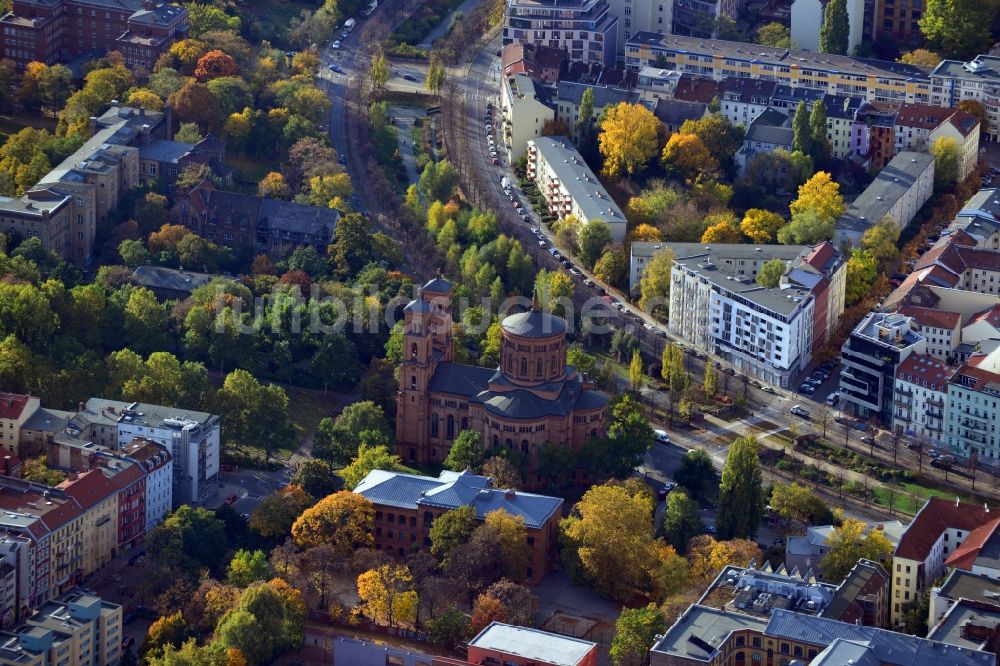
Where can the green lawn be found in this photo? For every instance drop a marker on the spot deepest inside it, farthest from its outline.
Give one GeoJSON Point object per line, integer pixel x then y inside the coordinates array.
{"type": "Point", "coordinates": [249, 171]}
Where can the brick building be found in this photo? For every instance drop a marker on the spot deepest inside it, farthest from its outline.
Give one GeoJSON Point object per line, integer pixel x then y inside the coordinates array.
{"type": "Point", "coordinates": [51, 31]}
{"type": "Point", "coordinates": [407, 504]}
{"type": "Point", "coordinates": [532, 400]}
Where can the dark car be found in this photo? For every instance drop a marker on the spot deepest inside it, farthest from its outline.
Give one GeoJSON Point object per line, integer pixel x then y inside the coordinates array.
{"type": "Point", "coordinates": [343, 158]}
{"type": "Point", "coordinates": [409, 77]}
{"type": "Point", "coordinates": [127, 642]}
{"type": "Point", "coordinates": [730, 372]}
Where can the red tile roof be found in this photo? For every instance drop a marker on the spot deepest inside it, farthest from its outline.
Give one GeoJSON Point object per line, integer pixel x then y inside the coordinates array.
{"type": "Point", "coordinates": [990, 315]}
{"type": "Point", "coordinates": [89, 488]}
{"type": "Point", "coordinates": [963, 122]}
{"type": "Point", "coordinates": [12, 405]}
{"type": "Point", "coordinates": [921, 367]}
{"type": "Point", "coordinates": [933, 519]}
{"type": "Point", "coordinates": [696, 89]}
{"type": "Point", "coordinates": [968, 552]}
{"type": "Point", "coordinates": [931, 317]}
{"type": "Point", "coordinates": [923, 116]}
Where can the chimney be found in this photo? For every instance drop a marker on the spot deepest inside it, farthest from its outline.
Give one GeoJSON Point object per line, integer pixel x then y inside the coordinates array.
{"type": "Point", "coordinates": [79, 406]}
{"type": "Point", "coordinates": [509, 494]}
{"type": "Point", "coordinates": [92, 125]}
{"type": "Point", "coordinates": [71, 476]}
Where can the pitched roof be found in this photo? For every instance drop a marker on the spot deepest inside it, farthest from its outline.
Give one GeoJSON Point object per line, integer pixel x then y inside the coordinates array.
{"type": "Point", "coordinates": [921, 367]}
{"type": "Point", "coordinates": [12, 405]}
{"type": "Point", "coordinates": [963, 122]}
{"type": "Point", "coordinates": [923, 116]}
{"type": "Point", "coordinates": [458, 379]}
{"type": "Point", "coordinates": [692, 88]}
{"type": "Point", "coordinates": [966, 554]}
{"type": "Point", "coordinates": [825, 258]}
{"type": "Point", "coordinates": [452, 490]}
{"type": "Point", "coordinates": [933, 519]}
{"type": "Point", "coordinates": [990, 315]}
{"type": "Point", "coordinates": [89, 488]}
{"type": "Point", "coordinates": [931, 317]}
{"type": "Point", "coordinates": [676, 111]}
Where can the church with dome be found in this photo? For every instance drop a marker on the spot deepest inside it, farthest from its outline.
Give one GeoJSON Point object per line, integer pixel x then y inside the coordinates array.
{"type": "Point", "coordinates": [531, 401]}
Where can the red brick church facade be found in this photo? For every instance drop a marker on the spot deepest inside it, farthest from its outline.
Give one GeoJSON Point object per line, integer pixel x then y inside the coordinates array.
{"type": "Point", "coordinates": [532, 400]}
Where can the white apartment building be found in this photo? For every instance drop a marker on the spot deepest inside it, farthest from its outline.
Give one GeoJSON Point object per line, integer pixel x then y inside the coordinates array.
{"type": "Point", "coordinates": [570, 187]}
{"type": "Point", "coordinates": [585, 29]}
{"type": "Point", "coordinates": [690, 15]}
{"type": "Point", "coordinates": [525, 107]}
{"type": "Point", "coordinates": [641, 15]}
{"type": "Point", "coordinates": [155, 461]}
{"type": "Point", "coordinates": [980, 218]}
{"type": "Point", "coordinates": [807, 17]}
{"type": "Point", "coordinates": [965, 129]}
{"type": "Point", "coordinates": [974, 408]}
{"type": "Point", "coordinates": [191, 437]}
{"type": "Point", "coordinates": [899, 191]}
{"type": "Point", "coordinates": [941, 329]}
{"type": "Point", "coordinates": [953, 81]}
{"type": "Point", "coordinates": [745, 99]}
{"type": "Point", "coordinates": [766, 333]}
{"type": "Point", "coordinates": [921, 398]}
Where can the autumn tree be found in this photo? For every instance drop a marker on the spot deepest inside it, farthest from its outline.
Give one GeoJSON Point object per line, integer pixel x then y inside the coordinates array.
{"type": "Point", "coordinates": [882, 240]}
{"type": "Point", "coordinates": [380, 71]}
{"type": "Point", "coordinates": [450, 530]}
{"type": "Point", "coordinates": [387, 594]}
{"type": "Point", "coordinates": [862, 270]}
{"type": "Point", "coordinates": [711, 381]}
{"type": "Point", "coordinates": [947, 162]}
{"type": "Point", "coordinates": [273, 518]}
{"type": "Point", "coordinates": [628, 138]}
{"type": "Point", "coordinates": [594, 237]}
{"type": "Point", "coordinates": [167, 630]}
{"type": "Point", "coordinates": [820, 194]}
{"type": "Point", "coordinates": [921, 58]}
{"type": "Point", "coordinates": [343, 520]}
{"type": "Point", "coordinates": [503, 601]}
{"type": "Point", "coordinates": [214, 64]}
{"type": "Point", "coordinates": [371, 457]}
{"type": "Point", "coordinates": [248, 567]}
{"type": "Point", "coordinates": [273, 186]}
{"type": "Point", "coordinates": [654, 286]}
{"type": "Point", "coordinates": [685, 157]}
{"type": "Point", "coordinates": [770, 273]}
{"type": "Point", "coordinates": [720, 136]}
{"type": "Point", "coordinates": [850, 543]}
{"type": "Point", "coordinates": [707, 556]}
{"type": "Point", "coordinates": [681, 521]}
{"type": "Point", "coordinates": [195, 103]}
{"type": "Point", "coordinates": [774, 34]}
{"type": "Point", "coordinates": [794, 502]}
{"type": "Point", "coordinates": [760, 225]}
{"type": "Point", "coordinates": [502, 471]}
{"type": "Point", "coordinates": [741, 493]}
{"type": "Point", "coordinates": [437, 74]}
{"type": "Point", "coordinates": [723, 229]}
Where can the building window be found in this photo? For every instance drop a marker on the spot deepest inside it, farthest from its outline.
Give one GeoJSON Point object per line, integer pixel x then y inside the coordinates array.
{"type": "Point", "coordinates": [434, 425]}
{"type": "Point", "coordinates": [450, 433]}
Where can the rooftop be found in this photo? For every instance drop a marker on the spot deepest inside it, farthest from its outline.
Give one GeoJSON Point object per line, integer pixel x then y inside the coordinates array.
{"type": "Point", "coordinates": [761, 591]}
{"type": "Point", "coordinates": [452, 490]}
{"type": "Point", "coordinates": [980, 550]}
{"type": "Point", "coordinates": [12, 405]}
{"type": "Point", "coordinates": [112, 412]}
{"type": "Point", "coordinates": [720, 251]}
{"type": "Point", "coordinates": [534, 324]}
{"type": "Point", "coordinates": [795, 58]}
{"type": "Point", "coordinates": [982, 67]}
{"type": "Point", "coordinates": [888, 329]}
{"type": "Point", "coordinates": [891, 184]}
{"type": "Point", "coordinates": [160, 277]}
{"type": "Point", "coordinates": [933, 519]}
{"type": "Point", "coordinates": [578, 180]}
{"type": "Point", "coordinates": [534, 644]}
{"type": "Point", "coordinates": [701, 631]}
{"type": "Point", "coordinates": [968, 624]}
{"type": "Point", "coordinates": [962, 584]}
{"type": "Point", "coordinates": [925, 370]}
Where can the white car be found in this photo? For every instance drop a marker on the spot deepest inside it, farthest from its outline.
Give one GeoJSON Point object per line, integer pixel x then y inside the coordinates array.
{"type": "Point", "coordinates": [833, 398]}
{"type": "Point", "coordinates": [798, 410]}
{"type": "Point", "coordinates": [661, 437]}
{"type": "Point", "coordinates": [336, 44]}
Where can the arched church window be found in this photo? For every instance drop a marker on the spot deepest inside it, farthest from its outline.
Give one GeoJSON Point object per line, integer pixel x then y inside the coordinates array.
{"type": "Point", "coordinates": [509, 444]}
{"type": "Point", "coordinates": [413, 350]}
{"type": "Point", "coordinates": [524, 367]}
{"type": "Point", "coordinates": [413, 382]}
{"type": "Point", "coordinates": [496, 442]}
{"type": "Point", "coordinates": [450, 428]}
{"type": "Point", "coordinates": [552, 365]}
{"type": "Point", "coordinates": [539, 368]}
{"type": "Point", "coordinates": [434, 425]}
{"type": "Point", "coordinates": [524, 446]}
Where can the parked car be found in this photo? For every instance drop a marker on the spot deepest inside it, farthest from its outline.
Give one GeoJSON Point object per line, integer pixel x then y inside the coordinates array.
{"type": "Point", "coordinates": [807, 389]}
{"type": "Point", "coordinates": [127, 642]}
{"type": "Point", "coordinates": [768, 389]}
{"type": "Point", "coordinates": [336, 44]}
{"type": "Point", "coordinates": [589, 282]}
{"type": "Point", "coordinates": [231, 500]}
{"type": "Point", "coordinates": [730, 372]}
{"type": "Point", "coordinates": [574, 272]}
{"type": "Point", "coordinates": [661, 436]}
{"type": "Point", "coordinates": [833, 398]}
{"type": "Point", "coordinates": [409, 77]}
{"type": "Point", "coordinates": [799, 410]}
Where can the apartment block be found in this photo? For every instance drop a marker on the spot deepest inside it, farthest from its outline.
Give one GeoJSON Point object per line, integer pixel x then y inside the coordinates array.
{"type": "Point", "coordinates": [570, 187]}
{"type": "Point", "coordinates": [745, 99]}
{"type": "Point", "coordinates": [535, 60]}
{"type": "Point", "coordinates": [870, 356]}
{"type": "Point", "coordinates": [606, 93]}
{"type": "Point", "coordinates": [585, 29]}
{"type": "Point", "coordinates": [51, 32]}
{"type": "Point", "coordinates": [525, 106]}
{"type": "Point", "coordinates": [697, 17]}
{"type": "Point", "coordinates": [961, 584]}
{"type": "Point", "coordinates": [641, 16]}
{"type": "Point", "coordinates": [769, 131]}
{"type": "Point", "coordinates": [764, 332]}
{"type": "Point", "coordinates": [77, 628]}
{"type": "Point", "coordinates": [406, 506]}
{"type": "Point", "coordinates": [918, 126]}
{"type": "Point", "coordinates": [873, 80]}
{"type": "Point", "coordinates": [921, 398]}
{"type": "Point", "coordinates": [15, 411]}
{"type": "Point", "coordinates": [936, 532]}
{"type": "Point", "coordinates": [974, 408]}
{"type": "Point", "coordinates": [899, 21]}
{"type": "Point", "coordinates": [953, 81]}
{"type": "Point", "coordinates": [898, 191]}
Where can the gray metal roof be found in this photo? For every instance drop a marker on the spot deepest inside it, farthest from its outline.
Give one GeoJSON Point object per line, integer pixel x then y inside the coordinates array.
{"type": "Point", "coordinates": [159, 277]}
{"type": "Point", "coordinates": [452, 490]}
{"type": "Point", "coordinates": [982, 67]}
{"type": "Point", "coordinates": [47, 420]}
{"type": "Point", "coordinates": [287, 218]}
{"type": "Point", "coordinates": [962, 584]}
{"type": "Point", "coordinates": [534, 324]}
{"type": "Point", "coordinates": [951, 628]}
{"type": "Point", "coordinates": [889, 647]}
{"type": "Point", "coordinates": [572, 92]}
{"type": "Point", "coordinates": [727, 251]}
{"type": "Point", "coordinates": [889, 186]}
{"type": "Point", "coordinates": [577, 178]}
{"type": "Point", "coordinates": [165, 151]}
{"type": "Point", "coordinates": [701, 631]}
{"type": "Point", "coordinates": [771, 126]}
{"type": "Point", "coordinates": [438, 285]}
{"type": "Point", "coordinates": [457, 379]}
{"type": "Point", "coordinates": [534, 644]}
{"type": "Point", "coordinates": [842, 652]}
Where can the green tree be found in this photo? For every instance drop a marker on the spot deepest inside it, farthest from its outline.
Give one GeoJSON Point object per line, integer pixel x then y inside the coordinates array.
{"type": "Point", "coordinates": [436, 75]}
{"type": "Point", "coordinates": [770, 273]}
{"type": "Point", "coordinates": [793, 502]}
{"type": "Point", "coordinates": [585, 124]}
{"type": "Point", "coordinates": [451, 530]}
{"type": "Point", "coordinates": [807, 227]}
{"type": "Point", "coordinates": [379, 71]}
{"type": "Point", "coordinates": [862, 270]}
{"type": "Point", "coordinates": [681, 521]}
{"type": "Point", "coordinates": [720, 136]}
{"type": "Point", "coordinates": [515, 554]}
{"type": "Point", "coordinates": [958, 28]}
{"type": "Point", "coordinates": [817, 128]}
{"type": "Point", "coordinates": [438, 180]}
{"type": "Point", "coordinates": [635, 374]}
{"type": "Point", "coordinates": [273, 518]}
{"type": "Point", "coordinates": [654, 286]}
{"type": "Point", "coordinates": [248, 567]}
{"type": "Point", "coordinates": [594, 237]}
{"type": "Point", "coordinates": [188, 539]}
{"type": "Point", "coordinates": [370, 458]}
{"type": "Point", "coordinates": [36, 470]}
{"type": "Point", "coordinates": [801, 132]}
{"type": "Point", "coordinates": [314, 477]}
{"type": "Point", "coordinates": [741, 493]}
{"type": "Point", "coordinates": [612, 268]}
{"type": "Point", "coordinates": [188, 133]}
{"type": "Point", "coordinates": [267, 623]}
{"type": "Point", "coordinates": [466, 453]}
{"type": "Point", "coordinates": [254, 414]}
{"type": "Point", "coordinates": [168, 630]}
{"type": "Point", "coordinates": [947, 162]}
{"type": "Point", "coordinates": [697, 475]}
{"type": "Point", "coordinates": [711, 384]}
{"type": "Point", "coordinates": [635, 631]}
{"type": "Point", "coordinates": [835, 30]}
{"type": "Point", "coordinates": [881, 240]}
{"type": "Point", "coordinates": [774, 34]}
{"type": "Point", "coordinates": [337, 441]}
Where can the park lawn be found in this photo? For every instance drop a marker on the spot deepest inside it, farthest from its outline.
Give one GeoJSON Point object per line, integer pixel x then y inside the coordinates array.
{"type": "Point", "coordinates": [249, 171]}
{"type": "Point", "coordinates": [306, 408]}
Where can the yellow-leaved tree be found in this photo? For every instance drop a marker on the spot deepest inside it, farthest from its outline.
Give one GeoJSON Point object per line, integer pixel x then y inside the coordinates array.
{"type": "Point", "coordinates": [387, 594]}
{"type": "Point", "coordinates": [685, 157]}
{"type": "Point", "coordinates": [761, 225]}
{"type": "Point", "coordinates": [628, 138]}
{"type": "Point", "coordinates": [819, 194]}
{"type": "Point", "coordinates": [344, 520]}
{"type": "Point", "coordinates": [848, 544]}
{"type": "Point", "coordinates": [723, 228]}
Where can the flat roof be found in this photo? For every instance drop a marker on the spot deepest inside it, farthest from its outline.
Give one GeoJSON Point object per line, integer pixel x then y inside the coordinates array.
{"type": "Point", "coordinates": [701, 631]}
{"type": "Point", "coordinates": [530, 643]}
{"type": "Point", "coordinates": [718, 250]}
{"type": "Point", "coordinates": [745, 52]}
{"type": "Point", "coordinates": [581, 183]}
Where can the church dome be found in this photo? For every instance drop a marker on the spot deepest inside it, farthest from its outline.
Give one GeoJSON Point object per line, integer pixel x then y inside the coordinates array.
{"type": "Point", "coordinates": [534, 324]}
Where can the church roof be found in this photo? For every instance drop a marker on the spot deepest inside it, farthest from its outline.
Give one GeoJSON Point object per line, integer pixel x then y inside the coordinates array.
{"type": "Point", "coordinates": [438, 286]}
{"type": "Point", "coordinates": [467, 380]}
{"type": "Point", "coordinates": [417, 305]}
{"type": "Point", "coordinates": [534, 324]}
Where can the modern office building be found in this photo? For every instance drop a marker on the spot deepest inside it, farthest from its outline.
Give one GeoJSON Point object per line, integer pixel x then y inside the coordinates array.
{"type": "Point", "coordinates": [697, 18]}
{"type": "Point", "coordinates": [570, 187]}
{"type": "Point", "coordinates": [807, 17]}
{"type": "Point", "coordinates": [642, 16]}
{"type": "Point", "coordinates": [585, 29]}
{"type": "Point", "coordinates": [873, 80]}
{"type": "Point", "coordinates": [870, 356]}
